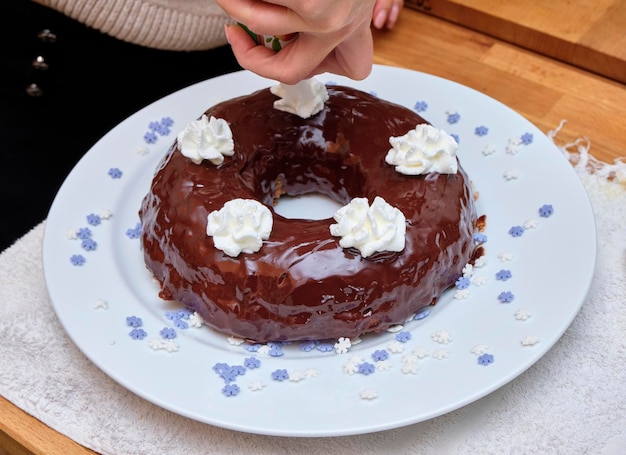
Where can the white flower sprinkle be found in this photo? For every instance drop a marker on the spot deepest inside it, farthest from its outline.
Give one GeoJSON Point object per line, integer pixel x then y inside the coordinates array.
{"type": "Point", "coordinates": [531, 224]}
{"type": "Point", "coordinates": [342, 345]}
{"type": "Point", "coordinates": [442, 337]}
{"type": "Point", "coordinates": [481, 261]}
{"type": "Point", "coordinates": [368, 394]}
{"type": "Point", "coordinates": [311, 373]}
{"type": "Point", "coordinates": [105, 214]}
{"type": "Point", "coordinates": [480, 349]}
{"type": "Point", "coordinates": [530, 340]}
{"type": "Point", "coordinates": [297, 376]}
{"type": "Point", "coordinates": [142, 150]}
{"type": "Point", "coordinates": [522, 315]}
{"type": "Point", "coordinates": [461, 294]}
{"type": "Point", "coordinates": [410, 368]}
{"type": "Point", "coordinates": [100, 304]}
{"type": "Point", "coordinates": [441, 354]}
{"type": "Point", "coordinates": [489, 150]}
{"type": "Point", "coordinates": [395, 328]}
{"type": "Point", "coordinates": [505, 257]}
{"type": "Point", "coordinates": [195, 320]}
{"type": "Point", "coordinates": [510, 175]}
{"type": "Point", "coordinates": [256, 386]}
{"type": "Point", "coordinates": [480, 280]}
{"type": "Point", "coordinates": [395, 347]}
{"type": "Point", "coordinates": [235, 341]}
{"type": "Point", "coordinates": [420, 352]}
{"type": "Point", "coordinates": [409, 358]}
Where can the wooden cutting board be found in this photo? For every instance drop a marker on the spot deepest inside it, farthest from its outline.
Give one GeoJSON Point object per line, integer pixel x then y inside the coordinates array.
{"type": "Point", "coordinates": [587, 34]}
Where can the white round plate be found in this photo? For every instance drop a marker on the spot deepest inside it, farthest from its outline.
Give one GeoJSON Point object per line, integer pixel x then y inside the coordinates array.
{"type": "Point", "coordinates": [469, 345]}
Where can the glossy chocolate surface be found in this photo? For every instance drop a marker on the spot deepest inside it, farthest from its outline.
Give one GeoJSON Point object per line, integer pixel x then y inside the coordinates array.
{"type": "Point", "coordinates": [302, 285]}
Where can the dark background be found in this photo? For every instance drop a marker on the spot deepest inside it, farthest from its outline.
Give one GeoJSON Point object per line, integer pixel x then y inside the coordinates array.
{"type": "Point", "coordinates": [92, 83]}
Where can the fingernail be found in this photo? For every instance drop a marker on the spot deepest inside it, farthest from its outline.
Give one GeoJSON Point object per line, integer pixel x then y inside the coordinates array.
{"type": "Point", "coordinates": [379, 20]}
{"type": "Point", "coordinates": [393, 15]}
{"type": "Point", "coordinates": [226, 33]}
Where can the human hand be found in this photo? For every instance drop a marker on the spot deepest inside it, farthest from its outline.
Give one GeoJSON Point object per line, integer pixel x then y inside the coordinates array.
{"type": "Point", "coordinates": [333, 36]}
{"type": "Point", "coordinates": [386, 13]}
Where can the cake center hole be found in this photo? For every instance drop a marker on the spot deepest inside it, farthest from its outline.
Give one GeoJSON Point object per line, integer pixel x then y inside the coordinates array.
{"type": "Point", "coordinates": [313, 206]}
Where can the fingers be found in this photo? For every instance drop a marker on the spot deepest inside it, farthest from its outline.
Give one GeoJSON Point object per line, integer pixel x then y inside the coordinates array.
{"type": "Point", "coordinates": [353, 57]}
{"type": "Point", "coordinates": [300, 59]}
{"type": "Point", "coordinates": [386, 13]}
{"type": "Point", "coordinates": [332, 37]}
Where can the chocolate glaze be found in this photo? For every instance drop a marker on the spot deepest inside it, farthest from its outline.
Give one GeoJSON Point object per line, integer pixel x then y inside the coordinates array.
{"type": "Point", "coordinates": [302, 285]}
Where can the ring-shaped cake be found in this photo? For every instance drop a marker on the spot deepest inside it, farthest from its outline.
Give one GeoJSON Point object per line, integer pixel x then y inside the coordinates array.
{"type": "Point", "coordinates": [302, 284]}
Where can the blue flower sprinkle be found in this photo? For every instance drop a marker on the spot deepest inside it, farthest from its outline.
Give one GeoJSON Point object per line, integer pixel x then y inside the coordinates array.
{"type": "Point", "coordinates": [280, 375]}
{"type": "Point", "coordinates": [462, 283]}
{"type": "Point", "coordinates": [479, 237]}
{"type": "Point", "coordinates": [481, 131]}
{"type": "Point", "coordinates": [252, 347]}
{"type": "Point", "coordinates": [115, 173]}
{"type": "Point", "coordinates": [275, 350]}
{"type": "Point", "coordinates": [181, 324]}
{"type": "Point", "coordinates": [454, 117]}
{"type": "Point", "coordinates": [506, 297]}
{"type": "Point", "coordinates": [527, 138]}
{"type": "Point", "coordinates": [485, 359]}
{"type": "Point", "coordinates": [138, 334]}
{"type": "Point", "coordinates": [228, 375]}
{"type": "Point", "coordinates": [153, 126]}
{"type": "Point", "coordinates": [421, 106]}
{"type": "Point", "coordinates": [168, 333]}
{"type": "Point", "coordinates": [503, 275]}
{"type": "Point", "coordinates": [89, 244]}
{"type": "Point", "coordinates": [150, 137]}
{"type": "Point", "coordinates": [231, 390]}
{"type": "Point", "coordinates": [162, 130]}
{"type": "Point", "coordinates": [546, 210]}
{"type": "Point", "coordinates": [366, 368]}
{"type": "Point", "coordinates": [134, 321]}
{"type": "Point", "coordinates": [93, 219]}
{"type": "Point", "coordinates": [456, 138]}
{"type": "Point", "coordinates": [239, 370]}
{"type": "Point", "coordinates": [135, 232]}
{"type": "Point", "coordinates": [422, 315]}
{"type": "Point", "coordinates": [252, 363]}
{"type": "Point", "coordinates": [179, 318]}
{"type": "Point", "coordinates": [403, 337]}
{"type": "Point", "coordinates": [167, 121]}
{"type": "Point", "coordinates": [77, 259]}
{"type": "Point", "coordinates": [307, 346]}
{"type": "Point", "coordinates": [379, 355]}
{"type": "Point", "coordinates": [516, 231]}
{"type": "Point", "coordinates": [83, 233]}
{"type": "Point", "coordinates": [325, 347]}
{"type": "Point", "coordinates": [220, 366]}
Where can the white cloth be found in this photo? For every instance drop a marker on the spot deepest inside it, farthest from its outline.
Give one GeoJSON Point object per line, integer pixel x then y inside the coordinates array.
{"type": "Point", "coordinates": [572, 401]}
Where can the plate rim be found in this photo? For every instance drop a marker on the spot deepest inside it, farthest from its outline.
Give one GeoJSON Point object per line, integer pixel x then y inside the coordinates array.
{"type": "Point", "coordinates": [380, 71]}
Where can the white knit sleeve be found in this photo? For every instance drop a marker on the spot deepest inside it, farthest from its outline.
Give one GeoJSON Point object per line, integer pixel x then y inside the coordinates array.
{"type": "Point", "coordinates": [162, 24]}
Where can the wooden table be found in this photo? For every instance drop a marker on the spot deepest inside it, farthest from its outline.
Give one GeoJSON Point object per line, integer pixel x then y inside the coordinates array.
{"type": "Point", "coordinates": [591, 35]}
{"type": "Point", "coordinates": [540, 88]}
